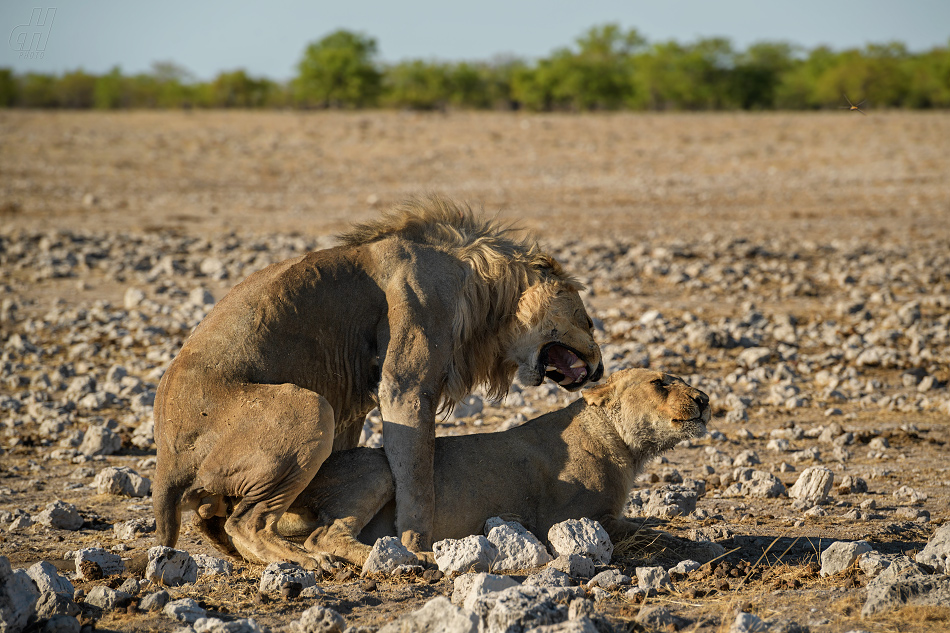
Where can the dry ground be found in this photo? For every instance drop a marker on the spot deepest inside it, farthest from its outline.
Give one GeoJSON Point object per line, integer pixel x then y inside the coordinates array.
{"type": "Point", "coordinates": [643, 181]}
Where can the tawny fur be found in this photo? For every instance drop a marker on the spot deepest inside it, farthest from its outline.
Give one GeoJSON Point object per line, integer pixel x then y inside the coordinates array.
{"type": "Point", "coordinates": [580, 461]}
{"type": "Point", "coordinates": [409, 314]}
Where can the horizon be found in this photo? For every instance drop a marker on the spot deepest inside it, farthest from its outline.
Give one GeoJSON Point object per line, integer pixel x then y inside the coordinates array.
{"type": "Point", "coordinates": [98, 36]}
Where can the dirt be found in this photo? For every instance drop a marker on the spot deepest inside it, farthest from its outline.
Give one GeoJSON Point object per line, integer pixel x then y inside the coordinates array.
{"type": "Point", "coordinates": [651, 181]}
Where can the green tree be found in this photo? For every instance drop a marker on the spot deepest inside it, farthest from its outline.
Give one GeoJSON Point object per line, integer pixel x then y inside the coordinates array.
{"type": "Point", "coordinates": [238, 90]}
{"type": "Point", "coordinates": [339, 71]}
{"type": "Point", "coordinates": [9, 89]}
{"type": "Point", "coordinates": [418, 85]}
{"type": "Point", "coordinates": [757, 73]}
{"type": "Point", "coordinates": [111, 91]}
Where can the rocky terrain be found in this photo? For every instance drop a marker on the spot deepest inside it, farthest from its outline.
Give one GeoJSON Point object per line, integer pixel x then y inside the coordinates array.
{"type": "Point", "coordinates": [794, 267]}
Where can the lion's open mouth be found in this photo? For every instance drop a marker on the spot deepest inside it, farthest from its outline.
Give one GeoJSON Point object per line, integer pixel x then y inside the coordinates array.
{"type": "Point", "coordinates": [563, 365]}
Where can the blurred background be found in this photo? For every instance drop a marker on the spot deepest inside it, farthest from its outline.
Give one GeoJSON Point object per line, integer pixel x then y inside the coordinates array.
{"type": "Point", "coordinates": [601, 55]}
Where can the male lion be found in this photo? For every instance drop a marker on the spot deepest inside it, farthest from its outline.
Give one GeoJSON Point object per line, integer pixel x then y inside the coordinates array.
{"type": "Point", "coordinates": [411, 311]}
{"type": "Point", "coordinates": [578, 462]}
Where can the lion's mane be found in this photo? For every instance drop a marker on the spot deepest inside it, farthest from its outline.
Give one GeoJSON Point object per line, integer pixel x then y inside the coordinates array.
{"type": "Point", "coordinates": [497, 301]}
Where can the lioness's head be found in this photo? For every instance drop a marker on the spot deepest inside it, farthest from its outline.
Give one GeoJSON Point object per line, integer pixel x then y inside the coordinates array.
{"type": "Point", "coordinates": [557, 339]}
{"type": "Point", "coordinates": [652, 411]}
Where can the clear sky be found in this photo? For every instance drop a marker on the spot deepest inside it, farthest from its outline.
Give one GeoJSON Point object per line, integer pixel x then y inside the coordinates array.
{"type": "Point", "coordinates": [267, 38]}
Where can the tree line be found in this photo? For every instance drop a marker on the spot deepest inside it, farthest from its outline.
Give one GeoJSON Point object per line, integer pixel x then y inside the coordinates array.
{"type": "Point", "coordinates": [607, 68]}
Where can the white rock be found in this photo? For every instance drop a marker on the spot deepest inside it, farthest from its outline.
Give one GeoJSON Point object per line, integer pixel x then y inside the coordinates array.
{"type": "Point", "coordinates": [133, 298]}
{"type": "Point", "coordinates": [99, 440]}
{"type": "Point", "coordinates": [520, 608]}
{"type": "Point", "coordinates": [517, 548]}
{"type": "Point", "coordinates": [748, 623]}
{"type": "Point", "coordinates": [610, 579]}
{"type": "Point", "coordinates": [574, 565]}
{"type": "Point", "coordinates": [469, 587]}
{"type": "Point", "coordinates": [318, 619]}
{"type": "Point", "coordinates": [841, 555]}
{"type": "Point", "coordinates": [937, 551]}
{"type": "Point", "coordinates": [684, 567]}
{"type": "Point", "coordinates": [746, 458]}
{"type": "Point", "coordinates": [60, 515]}
{"type": "Point", "coordinates": [171, 567]}
{"type": "Point", "coordinates": [184, 610]}
{"type": "Point", "coordinates": [472, 553]}
{"type": "Point", "coordinates": [652, 579]}
{"type": "Point", "coordinates": [215, 625]}
{"type": "Point", "coordinates": [813, 485]}
{"type": "Point", "coordinates": [753, 357]}
{"type": "Point", "coordinates": [154, 601]}
{"type": "Point", "coordinates": [437, 615]}
{"type": "Point", "coordinates": [909, 495]}
{"type": "Point", "coordinates": [133, 528]}
{"type": "Point", "coordinates": [47, 578]}
{"type": "Point", "coordinates": [387, 554]}
{"type": "Point", "coordinates": [110, 564]}
{"type": "Point", "coordinates": [212, 566]}
{"type": "Point", "coordinates": [276, 575]}
{"type": "Point", "coordinates": [581, 536]}
{"type": "Point", "coordinates": [18, 596]}
{"type": "Point", "coordinates": [121, 480]}
{"type": "Point", "coordinates": [105, 598]}
{"type": "Point", "coordinates": [754, 483]}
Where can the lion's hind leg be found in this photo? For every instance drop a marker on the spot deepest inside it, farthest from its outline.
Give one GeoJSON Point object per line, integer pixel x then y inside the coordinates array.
{"type": "Point", "coordinates": [348, 491]}
{"type": "Point", "coordinates": [277, 437]}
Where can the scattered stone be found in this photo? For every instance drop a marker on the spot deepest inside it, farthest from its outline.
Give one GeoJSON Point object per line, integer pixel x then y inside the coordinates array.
{"type": "Point", "coordinates": [212, 566]}
{"type": "Point", "coordinates": [746, 458]}
{"type": "Point", "coordinates": [906, 494]}
{"type": "Point", "coordinates": [92, 561]}
{"type": "Point", "coordinates": [653, 580]}
{"type": "Point", "coordinates": [841, 555]}
{"type": "Point", "coordinates": [155, 601]}
{"type": "Point", "coordinates": [184, 610]}
{"type": "Point", "coordinates": [754, 483]}
{"type": "Point", "coordinates": [812, 486]}
{"type": "Point", "coordinates": [318, 619]}
{"type": "Point", "coordinates": [215, 625]}
{"type": "Point", "coordinates": [437, 614]}
{"type": "Point", "coordinates": [517, 548]}
{"type": "Point", "coordinates": [51, 603]}
{"type": "Point", "coordinates": [133, 528]}
{"type": "Point", "coordinates": [852, 485]}
{"type": "Point", "coordinates": [60, 623]}
{"type": "Point", "coordinates": [18, 596]}
{"type": "Point", "coordinates": [581, 536]}
{"type": "Point", "coordinates": [469, 587]}
{"type": "Point", "coordinates": [122, 480]}
{"type": "Point", "coordinates": [656, 617]}
{"type": "Point", "coordinates": [107, 599]}
{"type": "Point", "coordinates": [276, 575]}
{"type": "Point", "coordinates": [60, 515]}
{"type": "Point", "coordinates": [905, 583]}
{"type": "Point", "coordinates": [551, 577]}
{"type": "Point", "coordinates": [472, 553]}
{"type": "Point", "coordinates": [937, 551]}
{"type": "Point", "coordinates": [518, 609]}
{"type": "Point", "coordinates": [47, 579]}
{"type": "Point", "coordinates": [610, 579]}
{"type": "Point", "coordinates": [99, 440]}
{"type": "Point", "coordinates": [170, 567]}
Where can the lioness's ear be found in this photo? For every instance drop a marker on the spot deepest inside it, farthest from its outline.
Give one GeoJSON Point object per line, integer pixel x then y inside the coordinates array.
{"type": "Point", "coordinates": [599, 395]}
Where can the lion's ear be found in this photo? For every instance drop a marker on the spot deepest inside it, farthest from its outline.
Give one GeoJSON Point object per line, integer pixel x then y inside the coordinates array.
{"type": "Point", "coordinates": [599, 395]}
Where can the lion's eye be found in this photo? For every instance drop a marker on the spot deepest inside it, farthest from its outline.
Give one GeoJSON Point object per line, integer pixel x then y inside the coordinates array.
{"type": "Point", "coordinates": [657, 382]}
{"type": "Point", "coordinates": [590, 324]}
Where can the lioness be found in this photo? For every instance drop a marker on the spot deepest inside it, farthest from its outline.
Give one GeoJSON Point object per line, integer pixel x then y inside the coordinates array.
{"type": "Point", "coordinates": [578, 462]}
{"type": "Point", "coordinates": [410, 312]}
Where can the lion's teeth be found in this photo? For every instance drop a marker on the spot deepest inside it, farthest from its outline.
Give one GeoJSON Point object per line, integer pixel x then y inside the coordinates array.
{"type": "Point", "coordinates": [566, 382]}
{"type": "Point", "coordinates": [578, 363]}
{"type": "Point", "coordinates": [550, 368]}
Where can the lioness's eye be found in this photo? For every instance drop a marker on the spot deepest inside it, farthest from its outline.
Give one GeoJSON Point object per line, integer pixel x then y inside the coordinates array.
{"type": "Point", "coordinates": [657, 382]}
{"type": "Point", "coordinates": [590, 324]}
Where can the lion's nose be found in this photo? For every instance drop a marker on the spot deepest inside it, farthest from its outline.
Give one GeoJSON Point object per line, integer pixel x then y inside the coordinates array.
{"type": "Point", "coordinates": [598, 373]}
{"type": "Point", "coordinates": [701, 398]}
